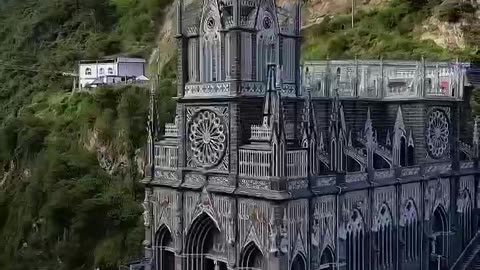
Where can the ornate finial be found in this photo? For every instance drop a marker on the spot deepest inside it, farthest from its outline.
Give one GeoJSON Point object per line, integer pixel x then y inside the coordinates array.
{"type": "Point", "coordinates": [388, 141]}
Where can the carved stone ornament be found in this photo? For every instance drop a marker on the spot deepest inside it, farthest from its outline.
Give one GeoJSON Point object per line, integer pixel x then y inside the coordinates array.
{"type": "Point", "coordinates": [146, 208]}
{"type": "Point", "coordinates": [207, 138]}
{"type": "Point", "coordinates": [437, 133]}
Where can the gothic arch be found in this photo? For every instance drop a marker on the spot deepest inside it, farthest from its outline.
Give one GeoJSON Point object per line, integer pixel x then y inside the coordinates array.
{"type": "Point", "coordinates": [412, 234]}
{"type": "Point", "coordinates": [327, 258]}
{"type": "Point", "coordinates": [210, 43]}
{"type": "Point", "coordinates": [383, 227]}
{"type": "Point", "coordinates": [163, 251]}
{"type": "Point", "coordinates": [199, 242]}
{"type": "Point", "coordinates": [299, 262]}
{"type": "Point", "coordinates": [267, 40]}
{"type": "Point", "coordinates": [465, 209]}
{"type": "Point", "coordinates": [439, 229]}
{"type": "Point", "coordinates": [252, 257]}
{"type": "Point", "coordinates": [356, 241]}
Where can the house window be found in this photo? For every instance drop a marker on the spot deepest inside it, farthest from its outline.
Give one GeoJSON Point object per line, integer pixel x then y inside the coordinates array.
{"type": "Point", "coordinates": [88, 71]}
{"type": "Point", "coordinates": [110, 71]}
{"type": "Point", "coordinates": [101, 71]}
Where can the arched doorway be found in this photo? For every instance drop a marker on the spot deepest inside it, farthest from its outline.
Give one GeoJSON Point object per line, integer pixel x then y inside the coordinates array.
{"type": "Point", "coordinates": [199, 243]}
{"type": "Point", "coordinates": [438, 237]}
{"type": "Point", "coordinates": [327, 259]}
{"type": "Point", "coordinates": [299, 263]}
{"type": "Point", "coordinates": [252, 258]}
{"type": "Point", "coordinates": [164, 254]}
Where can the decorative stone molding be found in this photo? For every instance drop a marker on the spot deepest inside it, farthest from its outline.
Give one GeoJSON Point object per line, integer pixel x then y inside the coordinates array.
{"type": "Point", "coordinates": [219, 180]}
{"type": "Point", "coordinates": [194, 179]}
{"type": "Point", "coordinates": [166, 175]}
{"type": "Point", "coordinates": [208, 89]}
{"type": "Point", "coordinates": [297, 184]}
{"type": "Point", "coordinates": [254, 184]}
{"type": "Point", "coordinates": [410, 171]}
{"type": "Point", "coordinates": [323, 181]}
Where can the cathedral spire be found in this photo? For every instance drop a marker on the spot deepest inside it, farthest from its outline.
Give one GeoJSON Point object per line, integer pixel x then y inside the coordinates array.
{"type": "Point", "coordinates": [268, 103]}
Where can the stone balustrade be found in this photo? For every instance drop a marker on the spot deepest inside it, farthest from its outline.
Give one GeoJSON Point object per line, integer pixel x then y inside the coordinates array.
{"type": "Point", "coordinates": [297, 163]}
{"type": "Point", "coordinates": [387, 80]}
{"type": "Point", "coordinates": [166, 156]}
{"type": "Point", "coordinates": [254, 163]}
{"type": "Point", "coordinates": [260, 133]}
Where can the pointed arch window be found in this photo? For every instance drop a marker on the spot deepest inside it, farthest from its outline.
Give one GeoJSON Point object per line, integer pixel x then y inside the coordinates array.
{"type": "Point", "coordinates": [210, 67]}
{"type": "Point", "coordinates": [465, 209]}
{"type": "Point", "coordinates": [403, 151]}
{"type": "Point", "coordinates": [355, 242]}
{"type": "Point", "coordinates": [88, 71]}
{"type": "Point", "coordinates": [411, 232]}
{"type": "Point", "coordinates": [384, 237]}
{"type": "Point", "coordinates": [266, 44]}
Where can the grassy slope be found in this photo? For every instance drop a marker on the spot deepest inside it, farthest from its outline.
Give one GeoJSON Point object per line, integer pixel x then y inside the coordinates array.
{"type": "Point", "coordinates": [58, 208]}
{"type": "Point", "coordinates": [388, 33]}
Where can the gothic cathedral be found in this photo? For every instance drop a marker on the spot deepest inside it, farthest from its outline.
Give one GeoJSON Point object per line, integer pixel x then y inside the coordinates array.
{"type": "Point", "coordinates": [270, 166]}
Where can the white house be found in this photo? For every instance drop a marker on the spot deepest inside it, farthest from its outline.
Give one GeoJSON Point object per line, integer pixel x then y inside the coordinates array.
{"type": "Point", "coordinates": [110, 70]}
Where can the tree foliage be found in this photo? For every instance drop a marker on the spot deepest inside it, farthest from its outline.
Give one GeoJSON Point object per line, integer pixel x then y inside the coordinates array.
{"type": "Point", "coordinates": [59, 209]}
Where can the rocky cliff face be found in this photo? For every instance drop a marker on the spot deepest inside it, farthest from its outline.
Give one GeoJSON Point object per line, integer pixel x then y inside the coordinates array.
{"type": "Point", "coordinates": [315, 10]}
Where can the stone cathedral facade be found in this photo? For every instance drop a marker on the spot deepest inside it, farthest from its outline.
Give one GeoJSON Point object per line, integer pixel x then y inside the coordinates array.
{"type": "Point", "coordinates": [336, 165]}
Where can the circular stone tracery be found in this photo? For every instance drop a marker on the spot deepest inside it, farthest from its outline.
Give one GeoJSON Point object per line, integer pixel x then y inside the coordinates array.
{"type": "Point", "coordinates": [267, 22]}
{"type": "Point", "coordinates": [207, 138]}
{"type": "Point", "coordinates": [437, 133]}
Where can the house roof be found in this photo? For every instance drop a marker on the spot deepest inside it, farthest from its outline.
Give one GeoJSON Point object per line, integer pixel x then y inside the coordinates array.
{"type": "Point", "coordinates": [114, 59]}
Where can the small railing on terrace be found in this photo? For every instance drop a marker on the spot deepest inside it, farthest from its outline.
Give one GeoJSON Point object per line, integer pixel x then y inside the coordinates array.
{"type": "Point", "coordinates": [260, 133]}
{"type": "Point", "coordinates": [254, 163]}
{"type": "Point", "coordinates": [257, 163]}
{"type": "Point", "coordinates": [171, 130]}
{"type": "Point", "coordinates": [166, 156]}
{"type": "Point", "coordinates": [297, 164]}
{"type": "Point", "coordinates": [387, 79]}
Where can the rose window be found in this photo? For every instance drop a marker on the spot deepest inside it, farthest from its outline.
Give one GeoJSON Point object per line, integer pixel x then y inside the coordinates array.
{"type": "Point", "coordinates": [210, 23]}
{"type": "Point", "coordinates": [207, 138]}
{"type": "Point", "coordinates": [267, 22]}
{"type": "Point", "coordinates": [437, 133]}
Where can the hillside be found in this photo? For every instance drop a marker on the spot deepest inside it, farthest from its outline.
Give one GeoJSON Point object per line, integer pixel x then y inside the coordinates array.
{"type": "Point", "coordinates": [70, 163]}
{"type": "Point", "coordinates": [398, 29]}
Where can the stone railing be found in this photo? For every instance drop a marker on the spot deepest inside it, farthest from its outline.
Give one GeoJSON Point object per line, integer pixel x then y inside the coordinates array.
{"type": "Point", "coordinates": [260, 133]}
{"type": "Point", "coordinates": [297, 164]}
{"type": "Point", "coordinates": [166, 156]}
{"type": "Point", "coordinates": [389, 80]}
{"type": "Point", "coordinates": [254, 163]}
{"type": "Point", "coordinates": [171, 130]}
{"type": "Point", "coordinates": [253, 88]}
{"type": "Point", "coordinates": [207, 89]}
{"type": "Point", "coordinates": [257, 163]}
